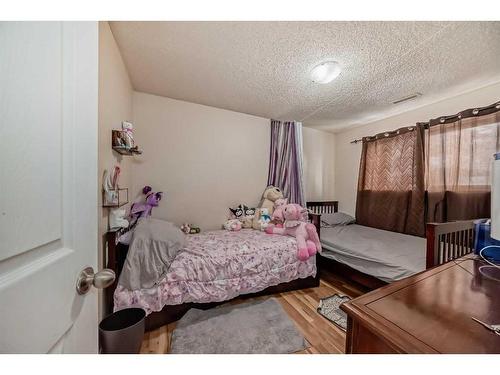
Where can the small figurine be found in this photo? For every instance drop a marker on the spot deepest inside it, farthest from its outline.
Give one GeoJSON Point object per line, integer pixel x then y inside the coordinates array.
{"type": "Point", "coordinates": [128, 134]}
{"type": "Point", "coordinates": [190, 228]}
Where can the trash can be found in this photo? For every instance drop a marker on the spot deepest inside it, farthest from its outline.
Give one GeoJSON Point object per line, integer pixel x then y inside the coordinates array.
{"type": "Point", "coordinates": [122, 332]}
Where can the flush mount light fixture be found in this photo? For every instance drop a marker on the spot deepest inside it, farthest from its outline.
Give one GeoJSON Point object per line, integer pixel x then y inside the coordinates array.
{"type": "Point", "coordinates": [325, 72]}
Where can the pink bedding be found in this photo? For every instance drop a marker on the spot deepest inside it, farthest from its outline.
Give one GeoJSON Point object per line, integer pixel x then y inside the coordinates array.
{"type": "Point", "coordinates": [220, 265]}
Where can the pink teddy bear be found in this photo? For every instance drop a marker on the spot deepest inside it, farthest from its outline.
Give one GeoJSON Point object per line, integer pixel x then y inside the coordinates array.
{"type": "Point", "coordinates": [305, 233]}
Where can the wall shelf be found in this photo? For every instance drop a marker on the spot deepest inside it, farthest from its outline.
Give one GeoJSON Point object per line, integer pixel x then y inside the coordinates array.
{"type": "Point", "coordinates": [123, 144]}
{"type": "Point", "coordinates": [127, 151]}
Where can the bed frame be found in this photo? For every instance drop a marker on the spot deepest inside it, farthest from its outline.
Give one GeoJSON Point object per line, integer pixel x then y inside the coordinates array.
{"type": "Point", "coordinates": [448, 241]}
{"type": "Point", "coordinates": [445, 242]}
{"type": "Point", "coordinates": [365, 281]}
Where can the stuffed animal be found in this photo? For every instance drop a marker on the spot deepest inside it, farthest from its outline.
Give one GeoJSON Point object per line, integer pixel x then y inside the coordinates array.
{"type": "Point", "coordinates": [278, 218]}
{"type": "Point", "coordinates": [244, 214]}
{"type": "Point", "coordinates": [270, 195]}
{"type": "Point", "coordinates": [233, 225]}
{"type": "Point", "coordinates": [264, 219]}
{"type": "Point", "coordinates": [117, 218]}
{"type": "Point", "coordinates": [138, 210]}
{"type": "Point", "coordinates": [190, 229]}
{"type": "Point", "coordinates": [305, 233]}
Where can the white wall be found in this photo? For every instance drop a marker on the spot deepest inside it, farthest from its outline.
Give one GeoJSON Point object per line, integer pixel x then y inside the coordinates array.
{"type": "Point", "coordinates": [319, 164]}
{"type": "Point", "coordinates": [204, 159]}
{"type": "Point", "coordinates": [115, 105]}
{"type": "Point", "coordinates": [347, 155]}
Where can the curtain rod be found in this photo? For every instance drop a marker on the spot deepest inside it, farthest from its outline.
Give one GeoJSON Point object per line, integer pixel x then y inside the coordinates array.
{"type": "Point", "coordinates": [471, 112]}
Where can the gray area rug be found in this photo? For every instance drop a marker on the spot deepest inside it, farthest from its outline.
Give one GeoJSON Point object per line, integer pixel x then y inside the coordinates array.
{"type": "Point", "coordinates": [329, 307]}
{"type": "Point", "coordinates": [261, 327]}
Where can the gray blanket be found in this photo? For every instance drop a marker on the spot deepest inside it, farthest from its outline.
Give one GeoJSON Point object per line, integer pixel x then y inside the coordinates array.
{"type": "Point", "coordinates": [388, 256]}
{"type": "Point", "coordinates": [155, 244]}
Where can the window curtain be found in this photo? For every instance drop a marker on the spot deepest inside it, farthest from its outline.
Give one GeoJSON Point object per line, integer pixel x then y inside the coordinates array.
{"type": "Point", "coordinates": [285, 160]}
{"type": "Point", "coordinates": [459, 153]}
{"type": "Point", "coordinates": [391, 182]}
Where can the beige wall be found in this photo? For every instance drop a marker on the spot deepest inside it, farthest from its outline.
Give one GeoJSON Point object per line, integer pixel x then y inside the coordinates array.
{"type": "Point", "coordinates": [205, 159]}
{"type": "Point", "coordinates": [347, 155]}
{"type": "Point", "coordinates": [319, 164]}
{"type": "Point", "coordinates": [115, 105]}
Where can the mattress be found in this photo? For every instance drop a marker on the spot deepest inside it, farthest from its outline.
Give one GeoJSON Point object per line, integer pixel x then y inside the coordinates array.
{"type": "Point", "coordinates": [220, 265]}
{"type": "Point", "coordinates": [388, 256]}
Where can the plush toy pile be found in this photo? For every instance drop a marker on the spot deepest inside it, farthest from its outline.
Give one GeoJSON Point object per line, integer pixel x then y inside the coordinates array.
{"type": "Point", "coordinates": [257, 218]}
{"type": "Point", "coordinates": [269, 197]}
{"type": "Point", "coordinates": [276, 216]}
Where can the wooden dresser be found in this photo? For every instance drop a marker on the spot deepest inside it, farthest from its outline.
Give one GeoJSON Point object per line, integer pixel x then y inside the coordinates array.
{"type": "Point", "coordinates": [429, 312]}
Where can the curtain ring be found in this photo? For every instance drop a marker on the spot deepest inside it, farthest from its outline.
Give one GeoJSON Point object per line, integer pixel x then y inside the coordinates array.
{"type": "Point", "coordinates": [498, 105]}
{"type": "Point", "coordinates": [475, 111]}
{"type": "Point", "coordinates": [442, 120]}
{"type": "Point", "coordinates": [386, 134]}
{"type": "Point", "coordinates": [459, 115]}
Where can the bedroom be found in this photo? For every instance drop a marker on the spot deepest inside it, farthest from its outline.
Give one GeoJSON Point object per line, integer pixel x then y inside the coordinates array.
{"type": "Point", "coordinates": [201, 144]}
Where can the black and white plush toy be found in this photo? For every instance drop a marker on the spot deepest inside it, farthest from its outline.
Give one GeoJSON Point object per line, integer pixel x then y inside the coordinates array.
{"type": "Point", "coordinates": [244, 214]}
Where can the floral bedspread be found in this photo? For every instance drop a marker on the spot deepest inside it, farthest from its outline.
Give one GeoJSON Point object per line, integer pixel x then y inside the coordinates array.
{"type": "Point", "coordinates": [220, 265]}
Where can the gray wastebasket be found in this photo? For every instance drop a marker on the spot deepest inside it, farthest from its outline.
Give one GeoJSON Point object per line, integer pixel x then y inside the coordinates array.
{"type": "Point", "coordinates": [122, 332]}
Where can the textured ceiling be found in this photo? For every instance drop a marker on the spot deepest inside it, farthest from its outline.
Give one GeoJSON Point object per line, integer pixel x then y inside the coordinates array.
{"type": "Point", "coordinates": [262, 68]}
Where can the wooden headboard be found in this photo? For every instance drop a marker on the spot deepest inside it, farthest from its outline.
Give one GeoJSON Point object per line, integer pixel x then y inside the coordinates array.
{"type": "Point", "coordinates": [325, 207]}
{"type": "Point", "coordinates": [318, 208]}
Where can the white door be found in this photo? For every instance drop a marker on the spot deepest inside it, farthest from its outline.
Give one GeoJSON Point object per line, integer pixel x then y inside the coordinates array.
{"type": "Point", "coordinates": [48, 185]}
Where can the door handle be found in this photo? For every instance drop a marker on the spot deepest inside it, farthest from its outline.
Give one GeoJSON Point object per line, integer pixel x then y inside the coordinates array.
{"type": "Point", "coordinates": [100, 280]}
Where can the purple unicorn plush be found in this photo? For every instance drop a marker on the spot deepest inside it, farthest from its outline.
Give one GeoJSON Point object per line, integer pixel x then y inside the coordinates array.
{"type": "Point", "coordinates": [138, 210]}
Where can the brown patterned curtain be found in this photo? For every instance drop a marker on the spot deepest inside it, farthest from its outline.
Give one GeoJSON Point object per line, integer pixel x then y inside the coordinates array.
{"type": "Point", "coordinates": [391, 181]}
{"type": "Point", "coordinates": [459, 152]}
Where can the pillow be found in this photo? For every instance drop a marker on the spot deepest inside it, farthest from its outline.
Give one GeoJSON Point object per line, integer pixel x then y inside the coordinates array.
{"type": "Point", "coordinates": [337, 218]}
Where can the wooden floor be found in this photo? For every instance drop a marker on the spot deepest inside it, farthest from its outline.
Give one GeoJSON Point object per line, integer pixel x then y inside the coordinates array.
{"type": "Point", "coordinates": [301, 305]}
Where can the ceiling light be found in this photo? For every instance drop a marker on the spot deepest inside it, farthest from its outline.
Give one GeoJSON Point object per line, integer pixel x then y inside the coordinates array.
{"type": "Point", "coordinates": [325, 72]}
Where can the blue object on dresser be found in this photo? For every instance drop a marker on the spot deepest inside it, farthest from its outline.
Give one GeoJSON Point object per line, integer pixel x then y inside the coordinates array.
{"type": "Point", "coordinates": [483, 239]}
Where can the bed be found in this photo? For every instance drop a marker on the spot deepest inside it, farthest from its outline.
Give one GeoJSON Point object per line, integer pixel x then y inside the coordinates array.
{"type": "Point", "coordinates": [213, 267]}
{"type": "Point", "coordinates": [374, 257]}
{"type": "Point", "coordinates": [220, 265]}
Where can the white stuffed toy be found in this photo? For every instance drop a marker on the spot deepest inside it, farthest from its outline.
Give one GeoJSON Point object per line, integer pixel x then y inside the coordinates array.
{"type": "Point", "coordinates": [264, 219]}
{"type": "Point", "coordinates": [233, 225]}
{"type": "Point", "coordinates": [117, 218]}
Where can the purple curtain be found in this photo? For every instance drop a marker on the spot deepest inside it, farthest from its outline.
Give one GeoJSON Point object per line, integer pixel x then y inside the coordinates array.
{"type": "Point", "coordinates": [285, 160]}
